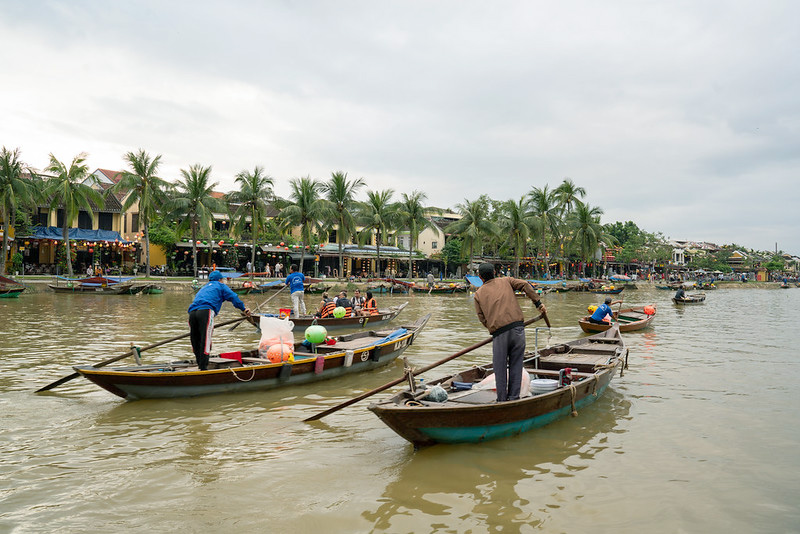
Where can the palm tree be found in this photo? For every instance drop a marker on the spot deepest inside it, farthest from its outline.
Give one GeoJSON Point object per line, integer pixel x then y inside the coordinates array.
{"type": "Point", "coordinates": [568, 194]}
{"type": "Point", "coordinates": [474, 224]}
{"type": "Point", "coordinates": [340, 194]}
{"type": "Point", "coordinates": [377, 216]}
{"type": "Point", "coordinates": [66, 189]}
{"type": "Point", "coordinates": [411, 215]}
{"type": "Point", "coordinates": [544, 206]}
{"type": "Point", "coordinates": [146, 188]}
{"type": "Point", "coordinates": [194, 202]}
{"type": "Point", "coordinates": [306, 209]}
{"type": "Point", "coordinates": [516, 222]}
{"type": "Point", "coordinates": [15, 191]}
{"type": "Point", "coordinates": [253, 197]}
{"type": "Point", "coordinates": [588, 233]}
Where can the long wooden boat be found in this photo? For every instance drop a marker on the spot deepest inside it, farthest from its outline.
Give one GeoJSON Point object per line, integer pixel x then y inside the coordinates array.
{"type": "Point", "coordinates": [96, 285]}
{"type": "Point", "coordinates": [695, 298]}
{"type": "Point", "coordinates": [352, 353]}
{"type": "Point", "coordinates": [332, 323]}
{"type": "Point", "coordinates": [471, 414]}
{"type": "Point", "coordinates": [601, 291]}
{"type": "Point", "coordinates": [629, 319]}
{"type": "Point", "coordinates": [11, 292]}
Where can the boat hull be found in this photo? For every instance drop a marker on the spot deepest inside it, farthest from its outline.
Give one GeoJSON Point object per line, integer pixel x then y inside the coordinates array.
{"type": "Point", "coordinates": [10, 293]}
{"type": "Point", "coordinates": [334, 324]}
{"type": "Point", "coordinates": [641, 320]}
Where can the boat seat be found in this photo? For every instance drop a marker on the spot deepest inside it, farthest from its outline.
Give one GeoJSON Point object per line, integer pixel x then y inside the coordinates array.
{"type": "Point", "coordinates": [480, 396]}
{"type": "Point", "coordinates": [222, 363]}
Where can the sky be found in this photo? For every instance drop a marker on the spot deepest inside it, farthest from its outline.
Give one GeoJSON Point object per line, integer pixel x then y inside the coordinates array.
{"type": "Point", "coordinates": [682, 116]}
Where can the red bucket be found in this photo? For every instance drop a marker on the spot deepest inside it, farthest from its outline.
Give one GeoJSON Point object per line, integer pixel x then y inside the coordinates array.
{"type": "Point", "coordinates": [283, 313]}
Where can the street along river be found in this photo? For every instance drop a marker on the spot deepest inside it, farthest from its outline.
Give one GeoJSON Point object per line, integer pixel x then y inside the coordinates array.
{"type": "Point", "coordinates": [699, 435]}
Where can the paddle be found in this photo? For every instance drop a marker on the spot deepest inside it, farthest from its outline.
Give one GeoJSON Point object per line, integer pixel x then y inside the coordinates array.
{"type": "Point", "coordinates": [259, 306]}
{"type": "Point", "coordinates": [417, 372]}
{"type": "Point", "coordinates": [129, 353]}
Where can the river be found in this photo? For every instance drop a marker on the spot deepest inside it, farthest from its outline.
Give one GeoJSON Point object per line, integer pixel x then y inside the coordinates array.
{"type": "Point", "coordinates": [699, 435]}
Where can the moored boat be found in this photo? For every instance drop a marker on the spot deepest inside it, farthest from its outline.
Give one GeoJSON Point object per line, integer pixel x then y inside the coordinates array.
{"type": "Point", "coordinates": [694, 298]}
{"type": "Point", "coordinates": [628, 319]}
{"type": "Point", "coordinates": [10, 288]}
{"type": "Point", "coordinates": [246, 371]}
{"type": "Point", "coordinates": [471, 414]}
{"type": "Point", "coordinates": [95, 285]}
{"type": "Point", "coordinates": [607, 291]}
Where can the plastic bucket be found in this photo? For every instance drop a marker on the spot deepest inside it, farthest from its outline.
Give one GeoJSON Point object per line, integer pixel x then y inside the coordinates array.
{"type": "Point", "coordinates": [283, 313]}
{"type": "Point", "coordinates": [543, 385]}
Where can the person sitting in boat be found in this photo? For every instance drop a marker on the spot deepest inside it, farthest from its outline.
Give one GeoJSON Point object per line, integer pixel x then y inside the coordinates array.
{"type": "Point", "coordinates": [680, 294]}
{"type": "Point", "coordinates": [204, 308]}
{"type": "Point", "coordinates": [326, 306]}
{"type": "Point", "coordinates": [358, 302]}
{"type": "Point", "coordinates": [603, 311]}
{"type": "Point", "coordinates": [344, 302]}
{"type": "Point", "coordinates": [499, 311]}
{"type": "Point", "coordinates": [370, 306]}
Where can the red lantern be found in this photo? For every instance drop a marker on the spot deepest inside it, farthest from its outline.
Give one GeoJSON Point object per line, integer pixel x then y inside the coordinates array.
{"type": "Point", "coordinates": [282, 243]}
{"type": "Point", "coordinates": [91, 251]}
{"type": "Point", "coordinates": [221, 242]}
{"type": "Point", "coordinates": [287, 248]}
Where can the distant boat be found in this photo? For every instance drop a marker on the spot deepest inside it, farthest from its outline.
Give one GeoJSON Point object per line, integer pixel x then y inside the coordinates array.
{"type": "Point", "coordinates": [629, 319]}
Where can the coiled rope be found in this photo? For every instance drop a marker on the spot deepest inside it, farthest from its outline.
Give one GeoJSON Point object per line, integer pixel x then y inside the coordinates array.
{"type": "Point", "coordinates": [241, 379]}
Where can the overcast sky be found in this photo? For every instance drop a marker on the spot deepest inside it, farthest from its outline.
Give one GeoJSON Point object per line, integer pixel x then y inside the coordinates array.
{"type": "Point", "coordinates": [682, 116]}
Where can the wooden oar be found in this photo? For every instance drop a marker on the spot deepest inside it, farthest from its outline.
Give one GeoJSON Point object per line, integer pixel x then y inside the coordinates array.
{"type": "Point", "coordinates": [417, 372]}
{"type": "Point", "coordinates": [262, 304]}
{"type": "Point", "coordinates": [129, 353]}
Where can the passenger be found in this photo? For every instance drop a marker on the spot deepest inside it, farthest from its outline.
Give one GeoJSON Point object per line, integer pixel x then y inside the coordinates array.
{"type": "Point", "coordinates": [344, 302]}
{"type": "Point", "coordinates": [603, 311]}
{"type": "Point", "coordinates": [680, 294]}
{"type": "Point", "coordinates": [370, 306]}
{"type": "Point", "coordinates": [326, 306]}
{"type": "Point", "coordinates": [499, 311]}
{"type": "Point", "coordinates": [358, 302]}
{"type": "Point", "coordinates": [204, 308]}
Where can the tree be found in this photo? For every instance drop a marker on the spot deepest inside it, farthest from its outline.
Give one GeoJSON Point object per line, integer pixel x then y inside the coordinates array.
{"type": "Point", "coordinates": [306, 209]}
{"type": "Point", "coordinates": [253, 197]}
{"type": "Point", "coordinates": [545, 207]}
{"type": "Point", "coordinates": [194, 202]}
{"type": "Point", "coordinates": [515, 224]}
{"type": "Point", "coordinates": [451, 252]}
{"type": "Point", "coordinates": [145, 187]}
{"type": "Point", "coordinates": [66, 189]}
{"type": "Point", "coordinates": [378, 215]}
{"type": "Point", "coordinates": [568, 194]}
{"type": "Point", "coordinates": [340, 194]}
{"type": "Point", "coordinates": [411, 215]}
{"type": "Point", "coordinates": [15, 191]}
{"type": "Point", "coordinates": [588, 233]}
{"type": "Point", "coordinates": [474, 225]}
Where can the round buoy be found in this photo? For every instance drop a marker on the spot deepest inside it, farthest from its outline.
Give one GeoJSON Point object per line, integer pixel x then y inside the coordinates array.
{"type": "Point", "coordinates": [338, 312]}
{"type": "Point", "coordinates": [649, 310]}
{"type": "Point", "coordinates": [592, 308]}
{"type": "Point", "coordinates": [280, 352]}
{"type": "Point", "coordinates": [316, 334]}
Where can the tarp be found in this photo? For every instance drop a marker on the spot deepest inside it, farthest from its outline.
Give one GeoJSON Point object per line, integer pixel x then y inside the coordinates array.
{"type": "Point", "coordinates": [474, 280]}
{"type": "Point", "coordinates": [548, 282]}
{"type": "Point", "coordinates": [271, 284]}
{"type": "Point", "coordinates": [620, 278]}
{"type": "Point", "coordinates": [97, 280]}
{"type": "Point", "coordinates": [76, 234]}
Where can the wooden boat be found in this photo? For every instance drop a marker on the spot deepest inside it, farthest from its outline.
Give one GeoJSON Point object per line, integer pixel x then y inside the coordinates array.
{"type": "Point", "coordinates": [601, 291]}
{"type": "Point", "coordinates": [629, 319]}
{"type": "Point", "coordinates": [10, 288]}
{"type": "Point", "coordinates": [95, 285]}
{"type": "Point", "coordinates": [352, 353]}
{"type": "Point", "coordinates": [695, 298]}
{"type": "Point", "coordinates": [471, 414]}
{"type": "Point", "coordinates": [332, 323]}
{"type": "Point", "coordinates": [152, 289]}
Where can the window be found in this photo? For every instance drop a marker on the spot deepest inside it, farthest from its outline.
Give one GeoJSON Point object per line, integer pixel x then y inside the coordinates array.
{"type": "Point", "coordinates": [434, 244]}
{"type": "Point", "coordinates": [105, 221]}
{"type": "Point", "coordinates": [134, 222]}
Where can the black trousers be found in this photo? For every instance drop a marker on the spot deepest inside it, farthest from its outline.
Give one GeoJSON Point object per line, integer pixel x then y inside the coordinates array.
{"type": "Point", "coordinates": [201, 327]}
{"type": "Point", "coordinates": [508, 353]}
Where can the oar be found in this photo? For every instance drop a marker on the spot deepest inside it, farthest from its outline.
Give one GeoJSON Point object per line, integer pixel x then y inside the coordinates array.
{"type": "Point", "coordinates": [417, 372]}
{"type": "Point", "coordinates": [262, 304]}
{"type": "Point", "coordinates": [130, 353]}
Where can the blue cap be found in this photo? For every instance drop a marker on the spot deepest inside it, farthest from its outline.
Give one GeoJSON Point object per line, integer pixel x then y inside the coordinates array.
{"type": "Point", "coordinates": [215, 276]}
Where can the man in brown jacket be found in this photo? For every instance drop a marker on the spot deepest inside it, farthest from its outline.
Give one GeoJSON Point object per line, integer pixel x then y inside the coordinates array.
{"type": "Point", "coordinates": [500, 313]}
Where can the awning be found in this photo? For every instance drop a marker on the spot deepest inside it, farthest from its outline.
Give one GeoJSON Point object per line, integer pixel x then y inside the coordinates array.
{"type": "Point", "coordinates": [76, 234]}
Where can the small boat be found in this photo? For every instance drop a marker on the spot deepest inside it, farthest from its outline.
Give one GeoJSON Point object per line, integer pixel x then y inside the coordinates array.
{"type": "Point", "coordinates": [10, 288]}
{"type": "Point", "coordinates": [694, 298]}
{"type": "Point", "coordinates": [470, 412]}
{"type": "Point", "coordinates": [246, 371]}
{"type": "Point", "coordinates": [332, 323]}
{"type": "Point", "coordinates": [629, 319]}
{"type": "Point", "coordinates": [607, 291]}
{"type": "Point", "coordinates": [95, 285]}
{"type": "Point", "coordinates": [152, 289]}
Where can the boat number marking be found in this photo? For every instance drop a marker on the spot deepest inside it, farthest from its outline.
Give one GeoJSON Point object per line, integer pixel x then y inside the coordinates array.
{"type": "Point", "coordinates": [364, 356]}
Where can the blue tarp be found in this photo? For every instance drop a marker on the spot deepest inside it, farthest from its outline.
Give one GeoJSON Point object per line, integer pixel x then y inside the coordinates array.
{"type": "Point", "coordinates": [394, 335]}
{"type": "Point", "coordinates": [76, 234]}
{"type": "Point", "coordinates": [548, 282]}
{"type": "Point", "coordinates": [271, 284]}
{"type": "Point", "coordinates": [474, 280]}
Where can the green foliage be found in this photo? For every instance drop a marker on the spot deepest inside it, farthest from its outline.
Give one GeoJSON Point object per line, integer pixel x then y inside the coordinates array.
{"type": "Point", "coordinates": [452, 252]}
{"type": "Point", "coordinates": [623, 232]}
{"type": "Point", "coordinates": [16, 262]}
{"type": "Point", "coordinates": [777, 263]}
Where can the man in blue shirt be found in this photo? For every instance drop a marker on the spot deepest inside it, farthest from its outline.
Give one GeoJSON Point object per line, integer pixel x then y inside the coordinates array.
{"type": "Point", "coordinates": [205, 306]}
{"type": "Point", "coordinates": [603, 311]}
{"type": "Point", "coordinates": [295, 282]}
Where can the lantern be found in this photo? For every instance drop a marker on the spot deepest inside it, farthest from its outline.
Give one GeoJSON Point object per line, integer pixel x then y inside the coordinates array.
{"type": "Point", "coordinates": [282, 243]}
{"type": "Point", "coordinates": [316, 334]}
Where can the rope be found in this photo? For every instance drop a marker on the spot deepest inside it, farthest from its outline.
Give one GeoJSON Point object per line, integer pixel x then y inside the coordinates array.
{"type": "Point", "coordinates": [412, 402]}
{"type": "Point", "coordinates": [573, 392]}
{"type": "Point", "coordinates": [241, 379]}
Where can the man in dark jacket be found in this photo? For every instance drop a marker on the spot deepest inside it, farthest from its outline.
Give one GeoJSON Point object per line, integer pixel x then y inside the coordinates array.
{"type": "Point", "coordinates": [204, 308]}
{"type": "Point", "coordinates": [499, 311]}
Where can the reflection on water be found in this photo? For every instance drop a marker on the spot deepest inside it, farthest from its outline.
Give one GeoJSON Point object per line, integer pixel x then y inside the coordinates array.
{"type": "Point", "coordinates": [676, 444]}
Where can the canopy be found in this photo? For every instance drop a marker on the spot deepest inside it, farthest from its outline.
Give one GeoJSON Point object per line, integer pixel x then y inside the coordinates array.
{"type": "Point", "coordinates": [474, 280]}
{"type": "Point", "coordinates": [76, 234]}
{"type": "Point", "coordinates": [548, 282]}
